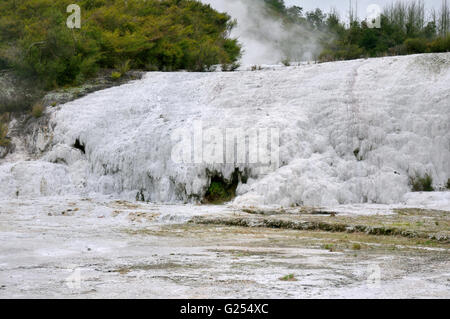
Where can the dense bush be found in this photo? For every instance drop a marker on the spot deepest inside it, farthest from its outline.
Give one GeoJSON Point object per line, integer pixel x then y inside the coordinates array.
{"type": "Point", "coordinates": [164, 35]}
{"type": "Point", "coordinates": [415, 46]}
{"type": "Point", "coordinates": [220, 190]}
{"type": "Point", "coordinates": [404, 30]}
{"type": "Point", "coordinates": [441, 44]}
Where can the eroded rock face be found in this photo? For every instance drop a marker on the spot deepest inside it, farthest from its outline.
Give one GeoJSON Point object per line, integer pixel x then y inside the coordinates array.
{"type": "Point", "coordinates": [16, 96]}
{"type": "Point", "coordinates": [4, 151]}
{"type": "Point", "coordinates": [32, 134]}
{"type": "Point", "coordinates": [35, 135]}
{"type": "Point", "coordinates": [101, 82]}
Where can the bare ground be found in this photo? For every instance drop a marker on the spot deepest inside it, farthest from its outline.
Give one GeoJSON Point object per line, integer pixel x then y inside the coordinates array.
{"type": "Point", "coordinates": [91, 248]}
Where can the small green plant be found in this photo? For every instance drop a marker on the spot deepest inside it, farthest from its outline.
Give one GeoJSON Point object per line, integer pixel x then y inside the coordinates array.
{"type": "Point", "coordinates": [123, 67]}
{"type": "Point", "coordinates": [356, 246]}
{"type": "Point", "coordinates": [37, 110]}
{"type": "Point", "coordinates": [415, 46]}
{"type": "Point", "coordinates": [448, 183]}
{"type": "Point", "coordinates": [329, 247]}
{"type": "Point", "coordinates": [286, 62]}
{"type": "Point", "coordinates": [116, 75]}
{"type": "Point", "coordinates": [217, 192]}
{"type": "Point", "coordinates": [222, 189]}
{"type": "Point", "coordinates": [290, 277]}
{"type": "Point", "coordinates": [422, 184]}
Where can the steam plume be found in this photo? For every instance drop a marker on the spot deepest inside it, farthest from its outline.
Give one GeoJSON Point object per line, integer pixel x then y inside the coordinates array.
{"type": "Point", "coordinates": [266, 39]}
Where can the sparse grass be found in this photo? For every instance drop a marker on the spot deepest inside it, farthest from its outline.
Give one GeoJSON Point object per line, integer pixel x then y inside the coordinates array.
{"type": "Point", "coordinates": [37, 110]}
{"type": "Point", "coordinates": [4, 142]}
{"type": "Point", "coordinates": [290, 277]}
{"type": "Point", "coordinates": [149, 267]}
{"type": "Point", "coordinates": [256, 238]}
{"type": "Point", "coordinates": [123, 67]}
{"type": "Point", "coordinates": [256, 68]}
{"type": "Point", "coordinates": [329, 247]}
{"type": "Point", "coordinates": [356, 246]}
{"type": "Point", "coordinates": [407, 223]}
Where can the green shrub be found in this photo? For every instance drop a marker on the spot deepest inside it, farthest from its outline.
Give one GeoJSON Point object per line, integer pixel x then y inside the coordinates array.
{"type": "Point", "coordinates": [327, 55]}
{"type": "Point", "coordinates": [441, 44]}
{"type": "Point", "coordinates": [221, 190]}
{"type": "Point", "coordinates": [422, 184]}
{"type": "Point", "coordinates": [342, 52]}
{"type": "Point", "coordinates": [217, 192]}
{"type": "Point", "coordinates": [415, 46]}
{"type": "Point", "coordinates": [448, 183]}
{"type": "Point", "coordinates": [116, 75]}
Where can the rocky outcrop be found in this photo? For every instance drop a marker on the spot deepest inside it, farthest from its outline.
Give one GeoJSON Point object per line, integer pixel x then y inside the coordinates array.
{"type": "Point", "coordinates": [34, 134]}
{"type": "Point", "coordinates": [4, 150]}
{"type": "Point", "coordinates": [101, 82]}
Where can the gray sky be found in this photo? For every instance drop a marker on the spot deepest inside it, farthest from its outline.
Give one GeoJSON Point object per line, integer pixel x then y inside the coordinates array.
{"type": "Point", "coordinates": [343, 5]}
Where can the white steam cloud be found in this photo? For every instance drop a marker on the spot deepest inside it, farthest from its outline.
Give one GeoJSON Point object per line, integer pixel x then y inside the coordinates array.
{"type": "Point", "coordinates": [265, 39]}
